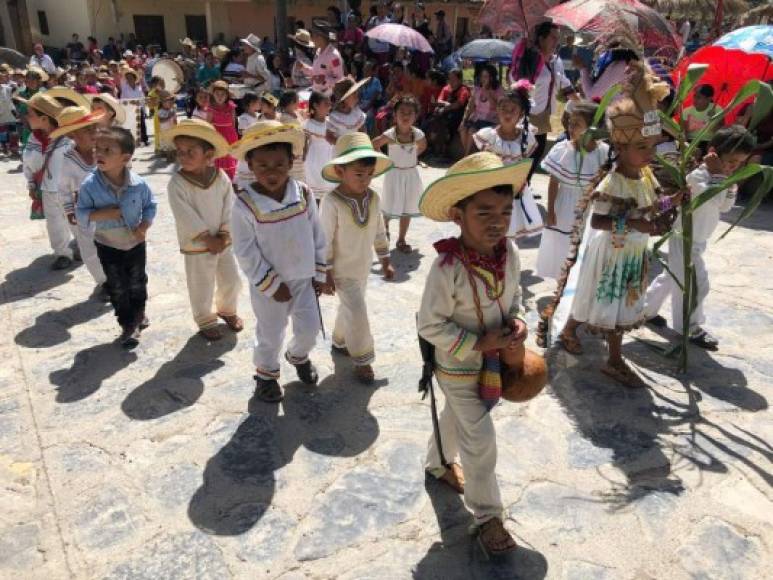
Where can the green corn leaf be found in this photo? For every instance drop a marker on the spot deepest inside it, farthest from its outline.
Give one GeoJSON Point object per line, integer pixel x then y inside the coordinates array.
{"type": "Point", "coordinates": [741, 175]}
{"type": "Point", "coordinates": [676, 175]}
{"type": "Point", "coordinates": [694, 73]}
{"type": "Point", "coordinates": [764, 189]}
{"type": "Point", "coordinates": [669, 122]}
{"type": "Point", "coordinates": [596, 131]}
{"type": "Point", "coordinates": [762, 106]}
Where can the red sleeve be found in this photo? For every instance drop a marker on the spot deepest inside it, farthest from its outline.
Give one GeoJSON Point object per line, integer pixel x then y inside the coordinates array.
{"type": "Point", "coordinates": [231, 105]}
{"type": "Point", "coordinates": [445, 92]}
{"type": "Point", "coordinates": [464, 95]}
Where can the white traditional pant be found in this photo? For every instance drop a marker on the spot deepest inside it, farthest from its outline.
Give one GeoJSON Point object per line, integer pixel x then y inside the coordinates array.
{"type": "Point", "coordinates": [352, 329]}
{"type": "Point", "coordinates": [467, 433]}
{"type": "Point", "coordinates": [271, 324]}
{"type": "Point", "coordinates": [57, 226]}
{"type": "Point", "coordinates": [664, 285]}
{"type": "Point", "coordinates": [89, 253]}
{"type": "Point", "coordinates": [212, 276]}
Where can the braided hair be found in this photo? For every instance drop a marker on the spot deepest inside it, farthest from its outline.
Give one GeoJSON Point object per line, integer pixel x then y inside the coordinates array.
{"type": "Point", "coordinates": [519, 94]}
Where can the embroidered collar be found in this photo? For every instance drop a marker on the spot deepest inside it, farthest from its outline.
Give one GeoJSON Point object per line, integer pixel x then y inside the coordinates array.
{"type": "Point", "coordinates": [360, 213]}
{"type": "Point", "coordinates": [201, 184]}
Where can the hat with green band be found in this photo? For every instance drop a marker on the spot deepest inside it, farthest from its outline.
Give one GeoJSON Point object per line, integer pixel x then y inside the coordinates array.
{"type": "Point", "coordinates": [350, 148]}
{"type": "Point", "coordinates": [468, 176]}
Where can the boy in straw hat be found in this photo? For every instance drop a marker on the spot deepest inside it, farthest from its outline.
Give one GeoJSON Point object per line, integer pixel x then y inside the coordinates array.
{"type": "Point", "coordinates": [470, 310]}
{"type": "Point", "coordinates": [200, 196]}
{"type": "Point", "coordinates": [279, 243]}
{"type": "Point", "coordinates": [114, 111]}
{"type": "Point", "coordinates": [353, 224]}
{"type": "Point", "coordinates": [73, 164]}
{"type": "Point", "coordinates": [39, 169]}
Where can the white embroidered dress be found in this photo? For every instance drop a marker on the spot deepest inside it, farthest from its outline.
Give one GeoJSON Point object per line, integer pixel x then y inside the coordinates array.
{"type": "Point", "coordinates": [402, 184]}
{"type": "Point", "coordinates": [318, 154]}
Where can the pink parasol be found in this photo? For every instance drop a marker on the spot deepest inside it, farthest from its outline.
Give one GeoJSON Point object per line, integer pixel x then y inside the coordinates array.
{"type": "Point", "coordinates": [504, 16]}
{"type": "Point", "coordinates": [400, 35]}
{"type": "Point", "coordinates": [599, 16]}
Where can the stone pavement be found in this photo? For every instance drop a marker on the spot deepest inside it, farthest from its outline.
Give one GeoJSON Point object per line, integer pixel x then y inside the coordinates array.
{"type": "Point", "coordinates": [154, 464]}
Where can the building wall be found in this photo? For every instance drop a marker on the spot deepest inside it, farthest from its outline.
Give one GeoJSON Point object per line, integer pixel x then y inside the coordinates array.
{"type": "Point", "coordinates": [65, 17]}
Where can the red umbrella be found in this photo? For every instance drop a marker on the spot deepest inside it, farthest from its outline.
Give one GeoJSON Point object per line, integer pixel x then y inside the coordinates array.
{"type": "Point", "coordinates": [600, 16]}
{"type": "Point", "coordinates": [504, 16]}
{"type": "Point", "coordinates": [729, 70]}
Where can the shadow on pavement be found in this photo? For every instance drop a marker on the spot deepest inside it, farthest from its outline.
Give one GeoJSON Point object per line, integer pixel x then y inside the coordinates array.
{"type": "Point", "coordinates": [404, 264]}
{"type": "Point", "coordinates": [457, 556]}
{"type": "Point", "coordinates": [239, 481]}
{"type": "Point", "coordinates": [178, 383]}
{"type": "Point", "coordinates": [91, 367]}
{"type": "Point", "coordinates": [33, 279]}
{"type": "Point", "coordinates": [53, 327]}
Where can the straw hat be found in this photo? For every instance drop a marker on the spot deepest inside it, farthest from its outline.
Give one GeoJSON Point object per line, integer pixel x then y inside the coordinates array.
{"type": "Point", "coordinates": [265, 132]}
{"type": "Point", "coordinates": [198, 129]}
{"type": "Point", "coordinates": [252, 41]}
{"type": "Point", "coordinates": [42, 103]}
{"type": "Point", "coordinates": [270, 99]}
{"type": "Point", "coordinates": [187, 42]}
{"type": "Point", "coordinates": [302, 37]}
{"type": "Point", "coordinates": [70, 95]}
{"type": "Point", "coordinates": [112, 102]}
{"type": "Point", "coordinates": [347, 87]}
{"type": "Point", "coordinates": [349, 148]}
{"type": "Point", "coordinates": [222, 85]}
{"type": "Point", "coordinates": [220, 51]}
{"type": "Point", "coordinates": [38, 71]}
{"type": "Point", "coordinates": [6, 68]}
{"type": "Point", "coordinates": [127, 70]}
{"type": "Point", "coordinates": [73, 118]}
{"type": "Point", "coordinates": [467, 177]}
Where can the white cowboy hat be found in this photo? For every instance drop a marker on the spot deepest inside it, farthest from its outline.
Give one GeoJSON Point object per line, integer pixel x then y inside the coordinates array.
{"type": "Point", "coordinates": [252, 41]}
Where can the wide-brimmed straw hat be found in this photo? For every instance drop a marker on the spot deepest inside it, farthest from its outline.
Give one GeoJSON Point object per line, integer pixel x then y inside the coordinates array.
{"type": "Point", "coordinates": [113, 103]}
{"type": "Point", "coordinates": [73, 118]}
{"type": "Point", "coordinates": [347, 87]}
{"type": "Point", "coordinates": [220, 51]}
{"type": "Point", "coordinates": [42, 103]}
{"type": "Point", "coordinates": [467, 177]}
{"type": "Point", "coordinates": [302, 37]}
{"type": "Point", "coordinates": [252, 41]}
{"type": "Point", "coordinates": [349, 148]}
{"type": "Point", "coordinates": [265, 132]}
{"type": "Point", "coordinates": [187, 42]}
{"type": "Point", "coordinates": [198, 129]}
{"type": "Point", "coordinates": [38, 71]}
{"type": "Point", "coordinates": [270, 99]}
{"type": "Point", "coordinates": [69, 94]}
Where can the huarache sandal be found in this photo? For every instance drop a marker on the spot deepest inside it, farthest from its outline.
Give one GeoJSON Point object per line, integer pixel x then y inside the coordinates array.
{"type": "Point", "coordinates": [494, 539]}
{"type": "Point", "coordinates": [340, 350]}
{"type": "Point", "coordinates": [571, 343]}
{"type": "Point", "coordinates": [403, 246]}
{"type": "Point", "coordinates": [657, 321]}
{"type": "Point", "coordinates": [454, 478]}
{"type": "Point", "coordinates": [235, 323]}
{"type": "Point", "coordinates": [624, 375]}
{"type": "Point", "coordinates": [268, 391]}
{"type": "Point", "coordinates": [211, 333]}
{"type": "Point", "coordinates": [364, 374]}
{"type": "Point", "coordinates": [703, 339]}
{"type": "Point", "coordinates": [307, 373]}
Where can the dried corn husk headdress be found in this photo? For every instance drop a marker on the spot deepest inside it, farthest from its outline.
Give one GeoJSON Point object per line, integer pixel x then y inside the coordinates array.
{"type": "Point", "coordinates": [635, 116]}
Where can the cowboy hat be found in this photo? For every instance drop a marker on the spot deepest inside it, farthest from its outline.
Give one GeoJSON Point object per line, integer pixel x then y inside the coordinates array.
{"type": "Point", "coordinates": [302, 37]}
{"type": "Point", "coordinates": [42, 103]}
{"type": "Point", "coordinates": [112, 103]}
{"type": "Point", "coordinates": [198, 129]}
{"type": "Point", "coordinates": [323, 27]}
{"type": "Point", "coordinates": [346, 87]}
{"type": "Point", "coordinates": [38, 71]}
{"type": "Point", "coordinates": [187, 42]}
{"type": "Point", "coordinates": [349, 148]}
{"type": "Point", "coordinates": [70, 95]}
{"type": "Point", "coordinates": [73, 118]}
{"type": "Point", "coordinates": [252, 41]}
{"type": "Point", "coordinates": [265, 132]}
{"type": "Point", "coordinates": [467, 177]}
{"type": "Point", "coordinates": [220, 51]}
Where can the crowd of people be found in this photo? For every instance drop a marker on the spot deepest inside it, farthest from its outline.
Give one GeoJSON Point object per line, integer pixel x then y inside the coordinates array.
{"type": "Point", "coordinates": [277, 184]}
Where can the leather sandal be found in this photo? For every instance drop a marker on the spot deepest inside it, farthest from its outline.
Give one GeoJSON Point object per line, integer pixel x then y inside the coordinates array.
{"type": "Point", "coordinates": [494, 539]}
{"type": "Point", "coordinates": [233, 322]}
{"type": "Point", "coordinates": [454, 478]}
{"type": "Point", "coordinates": [571, 343]}
{"type": "Point", "coordinates": [211, 333]}
{"type": "Point", "coordinates": [624, 375]}
{"type": "Point", "coordinates": [364, 374]}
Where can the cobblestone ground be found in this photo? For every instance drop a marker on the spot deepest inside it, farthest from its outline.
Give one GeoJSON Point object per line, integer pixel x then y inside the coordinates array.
{"type": "Point", "coordinates": [154, 464]}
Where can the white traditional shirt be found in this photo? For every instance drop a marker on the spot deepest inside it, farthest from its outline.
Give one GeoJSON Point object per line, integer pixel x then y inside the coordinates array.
{"type": "Point", "coordinates": [488, 139]}
{"type": "Point", "coordinates": [339, 123]}
{"type": "Point", "coordinates": [705, 219]}
{"type": "Point", "coordinates": [541, 94]}
{"type": "Point", "coordinates": [34, 158]}
{"type": "Point", "coordinates": [72, 171]}
{"type": "Point", "coordinates": [256, 65]}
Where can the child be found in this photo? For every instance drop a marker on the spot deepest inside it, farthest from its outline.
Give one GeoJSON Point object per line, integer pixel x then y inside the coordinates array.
{"type": "Point", "coordinates": [41, 174]}
{"type": "Point", "coordinates": [319, 150]}
{"type": "Point", "coordinates": [571, 165]}
{"type": "Point", "coordinates": [119, 205]}
{"type": "Point", "coordinates": [346, 116]}
{"type": "Point", "coordinates": [9, 139]}
{"type": "Point", "coordinates": [200, 196]}
{"type": "Point", "coordinates": [250, 116]}
{"type": "Point", "coordinates": [353, 224]}
{"type": "Point", "coordinates": [611, 283]}
{"type": "Point", "coordinates": [114, 112]}
{"type": "Point", "coordinates": [33, 79]}
{"type": "Point", "coordinates": [402, 186]}
{"type": "Point", "coordinates": [75, 163]}
{"type": "Point", "coordinates": [156, 85]}
{"type": "Point", "coordinates": [280, 246]}
{"type": "Point", "coordinates": [131, 88]}
{"type": "Point", "coordinates": [268, 105]}
{"type": "Point", "coordinates": [202, 110]}
{"type": "Point", "coordinates": [471, 310]}
{"type": "Point", "coordinates": [288, 108]}
{"type": "Point", "coordinates": [223, 118]}
{"type": "Point", "coordinates": [513, 140]}
{"type": "Point", "coordinates": [728, 151]}
{"type": "Point", "coordinates": [697, 116]}
{"type": "Point", "coordinates": [167, 119]}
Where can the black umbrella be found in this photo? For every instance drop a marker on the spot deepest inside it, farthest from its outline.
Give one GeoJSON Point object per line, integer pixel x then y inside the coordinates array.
{"type": "Point", "coordinates": [13, 57]}
{"type": "Point", "coordinates": [487, 49]}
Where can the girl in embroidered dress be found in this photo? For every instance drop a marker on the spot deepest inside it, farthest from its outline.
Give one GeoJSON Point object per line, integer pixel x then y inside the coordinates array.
{"type": "Point", "coordinates": [251, 114]}
{"type": "Point", "coordinates": [402, 185]}
{"type": "Point", "coordinates": [223, 118]}
{"type": "Point", "coordinates": [571, 165]}
{"type": "Point", "coordinates": [626, 211]}
{"type": "Point", "coordinates": [202, 110]}
{"type": "Point", "coordinates": [346, 116]}
{"type": "Point", "coordinates": [513, 140]}
{"type": "Point", "coordinates": [319, 148]}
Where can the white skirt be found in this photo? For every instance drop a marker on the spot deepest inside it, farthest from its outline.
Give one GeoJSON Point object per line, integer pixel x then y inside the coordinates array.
{"type": "Point", "coordinates": [402, 190]}
{"type": "Point", "coordinates": [526, 219]}
{"type": "Point", "coordinates": [554, 246]}
{"type": "Point", "coordinates": [319, 154]}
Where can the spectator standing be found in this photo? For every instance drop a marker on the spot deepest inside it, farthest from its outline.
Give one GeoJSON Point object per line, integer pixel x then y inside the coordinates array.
{"type": "Point", "coordinates": [110, 50]}
{"type": "Point", "coordinates": [420, 22]}
{"type": "Point", "coordinates": [40, 59]}
{"type": "Point", "coordinates": [379, 49]}
{"type": "Point", "coordinates": [74, 50]}
{"type": "Point", "coordinates": [304, 52]}
{"type": "Point", "coordinates": [444, 41]}
{"type": "Point", "coordinates": [256, 73]}
{"type": "Point", "coordinates": [327, 68]}
{"type": "Point", "coordinates": [353, 34]}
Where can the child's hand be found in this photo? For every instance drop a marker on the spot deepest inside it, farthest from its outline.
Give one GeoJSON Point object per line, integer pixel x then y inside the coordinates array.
{"type": "Point", "coordinates": [71, 219]}
{"type": "Point", "coordinates": [550, 219]}
{"type": "Point", "coordinates": [494, 340]}
{"type": "Point", "coordinates": [282, 293]}
{"type": "Point", "coordinates": [114, 213]}
{"type": "Point", "coordinates": [215, 244]}
{"type": "Point", "coordinates": [713, 163]}
{"type": "Point", "coordinates": [519, 332]}
{"type": "Point", "coordinates": [388, 269]}
{"type": "Point", "coordinates": [141, 231]}
{"type": "Point", "coordinates": [32, 194]}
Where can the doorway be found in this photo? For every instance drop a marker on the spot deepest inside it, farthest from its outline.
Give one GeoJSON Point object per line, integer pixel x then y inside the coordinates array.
{"type": "Point", "coordinates": [196, 27]}
{"type": "Point", "coordinates": [150, 30]}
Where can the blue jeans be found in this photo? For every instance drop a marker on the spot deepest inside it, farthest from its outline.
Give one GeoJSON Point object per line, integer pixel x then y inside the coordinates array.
{"type": "Point", "coordinates": [127, 282]}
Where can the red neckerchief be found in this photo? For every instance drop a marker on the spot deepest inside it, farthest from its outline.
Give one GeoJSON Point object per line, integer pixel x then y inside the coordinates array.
{"type": "Point", "coordinates": [43, 137]}
{"type": "Point", "coordinates": [453, 248]}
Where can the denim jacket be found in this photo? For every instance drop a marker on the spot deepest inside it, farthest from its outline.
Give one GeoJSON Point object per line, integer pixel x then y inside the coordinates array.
{"type": "Point", "coordinates": [135, 200]}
